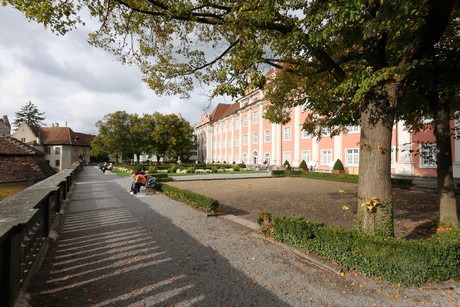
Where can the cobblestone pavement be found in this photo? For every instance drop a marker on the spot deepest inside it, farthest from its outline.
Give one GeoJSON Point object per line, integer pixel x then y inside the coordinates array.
{"type": "Point", "coordinates": [114, 249]}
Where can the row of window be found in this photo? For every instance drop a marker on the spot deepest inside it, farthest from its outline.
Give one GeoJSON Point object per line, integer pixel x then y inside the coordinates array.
{"type": "Point", "coordinates": [427, 156]}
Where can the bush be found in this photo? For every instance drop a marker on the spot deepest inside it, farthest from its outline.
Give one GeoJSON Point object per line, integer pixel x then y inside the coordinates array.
{"type": "Point", "coordinates": [152, 169]}
{"type": "Point", "coordinates": [191, 169]}
{"type": "Point", "coordinates": [214, 169]}
{"type": "Point", "coordinates": [303, 164]}
{"type": "Point", "coordinates": [236, 168]}
{"type": "Point", "coordinates": [197, 200]}
{"type": "Point", "coordinates": [408, 262]}
{"type": "Point", "coordinates": [173, 168]}
{"type": "Point", "coordinates": [338, 165]}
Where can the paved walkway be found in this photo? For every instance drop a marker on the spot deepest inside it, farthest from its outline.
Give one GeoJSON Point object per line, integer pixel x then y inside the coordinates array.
{"type": "Point", "coordinates": [119, 250]}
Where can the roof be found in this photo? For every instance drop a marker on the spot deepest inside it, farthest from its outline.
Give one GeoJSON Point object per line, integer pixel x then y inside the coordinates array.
{"type": "Point", "coordinates": [20, 162]}
{"type": "Point", "coordinates": [219, 110]}
{"type": "Point", "coordinates": [64, 136]}
{"type": "Point", "coordinates": [232, 109]}
{"type": "Point", "coordinates": [11, 146]}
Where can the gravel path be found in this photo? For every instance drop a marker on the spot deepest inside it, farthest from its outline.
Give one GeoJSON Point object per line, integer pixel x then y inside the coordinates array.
{"type": "Point", "coordinates": [120, 250]}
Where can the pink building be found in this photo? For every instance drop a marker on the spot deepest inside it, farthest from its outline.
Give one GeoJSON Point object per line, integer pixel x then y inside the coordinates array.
{"type": "Point", "coordinates": [238, 133]}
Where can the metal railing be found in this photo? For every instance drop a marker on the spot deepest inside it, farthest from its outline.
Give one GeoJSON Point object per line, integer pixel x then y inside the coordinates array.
{"type": "Point", "coordinates": [26, 220]}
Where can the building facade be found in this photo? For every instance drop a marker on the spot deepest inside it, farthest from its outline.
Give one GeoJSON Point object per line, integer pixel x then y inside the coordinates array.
{"type": "Point", "coordinates": [63, 147]}
{"type": "Point", "coordinates": [5, 126]}
{"type": "Point", "coordinates": [237, 133]}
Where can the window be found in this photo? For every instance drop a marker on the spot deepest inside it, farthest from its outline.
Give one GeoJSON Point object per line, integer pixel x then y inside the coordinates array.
{"type": "Point", "coordinates": [47, 150]}
{"type": "Point", "coordinates": [245, 158]}
{"type": "Point", "coordinates": [57, 150]}
{"type": "Point", "coordinates": [255, 118]}
{"type": "Point", "coordinates": [306, 155]}
{"type": "Point", "coordinates": [267, 158]}
{"type": "Point", "coordinates": [352, 156]}
{"type": "Point", "coordinates": [267, 136]}
{"type": "Point", "coordinates": [237, 158]}
{"type": "Point", "coordinates": [255, 157]}
{"type": "Point", "coordinates": [326, 131]}
{"type": "Point", "coordinates": [238, 124]}
{"type": "Point", "coordinates": [287, 156]}
{"type": "Point", "coordinates": [23, 140]}
{"type": "Point", "coordinates": [230, 144]}
{"type": "Point", "coordinates": [287, 133]}
{"type": "Point", "coordinates": [255, 138]}
{"type": "Point", "coordinates": [237, 141]}
{"type": "Point", "coordinates": [352, 129]}
{"type": "Point", "coordinates": [57, 163]}
{"type": "Point", "coordinates": [256, 99]}
{"type": "Point", "coordinates": [326, 156]}
{"type": "Point", "coordinates": [245, 120]}
{"type": "Point", "coordinates": [428, 155]}
{"type": "Point", "coordinates": [245, 139]}
{"type": "Point", "coordinates": [305, 134]}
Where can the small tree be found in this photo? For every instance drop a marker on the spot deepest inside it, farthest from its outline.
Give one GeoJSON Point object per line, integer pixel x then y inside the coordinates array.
{"type": "Point", "coordinates": [29, 114]}
{"type": "Point", "coordinates": [338, 166]}
{"type": "Point", "coordinates": [287, 165]}
{"type": "Point", "coordinates": [303, 165]}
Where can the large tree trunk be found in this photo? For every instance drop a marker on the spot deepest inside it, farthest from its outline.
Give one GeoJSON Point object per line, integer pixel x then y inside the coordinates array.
{"type": "Point", "coordinates": [375, 203]}
{"type": "Point", "coordinates": [446, 186]}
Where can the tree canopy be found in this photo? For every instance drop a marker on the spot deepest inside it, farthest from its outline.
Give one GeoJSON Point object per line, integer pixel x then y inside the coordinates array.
{"type": "Point", "coordinates": [347, 60]}
{"type": "Point", "coordinates": [29, 114]}
{"type": "Point", "coordinates": [122, 134]}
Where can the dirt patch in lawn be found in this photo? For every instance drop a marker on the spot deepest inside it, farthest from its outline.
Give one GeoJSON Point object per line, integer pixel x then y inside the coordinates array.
{"type": "Point", "coordinates": [415, 210]}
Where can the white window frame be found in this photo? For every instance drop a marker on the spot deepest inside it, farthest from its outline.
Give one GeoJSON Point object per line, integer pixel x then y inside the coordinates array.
{"type": "Point", "coordinates": [428, 156]}
{"type": "Point", "coordinates": [287, 156]}
{"type": "Point", "coordinates": [245, 120]}
{"type": "Point", "coordinates": [352, 156]}
{"type": "Point", "coordinates": [353, 129]}
{"type": "Point", "coordinates": [267, 136]}
{"type": "Point", "coordinates": [245, 139]}
{"type": "Point", "coordinates": [245, 158]}
{"type": "Point", "coordinates": [267, 158]}
{"type": "Point", "coordinates": [326, 156]}
{"type": "Point", "coordinates": [326, 131]}
{"type": "Point", "coordinates": [286, 133]}
{"type": "Point", "coordinates": [305, 134]}
{"type": "Point", "coordinates": [255, 138]}
{"type": "Point", "coordinates": [237, 141]}
{"type": "Point", "coordinates": [255, 117]}
{"type": "Point", "coordinates": [306, 155]}
{"type": "Point", "coordinates": [255, 157]}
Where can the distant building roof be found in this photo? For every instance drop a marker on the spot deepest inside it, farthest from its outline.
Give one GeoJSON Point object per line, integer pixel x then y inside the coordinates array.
{"type": "Point", "coordinates": [20, 162]}
{"type": "Point", "coordinates": [5, 127]}
{"type": "Point", "coordinates": [63, 136]}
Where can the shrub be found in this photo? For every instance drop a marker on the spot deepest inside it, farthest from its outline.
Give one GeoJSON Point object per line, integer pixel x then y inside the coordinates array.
{"type": "Point", "coordinates": [408, 262]}
{"type": "Point", "coordinates": [303, 164]}
{"type": "Point", "coordinates": [236, 168]}
{"type": "Point", "coordinates": [173, 168]}
{"type": "Point", "coordinates": [338, 165]}
{"type": "Point", "coordinates": [152, 169]}
{"type": "Point", "coordinates": [197, 200]}
{"type": "Point", "coordinates": [214, 169]}
{"type": "Point", "coordinates": [191, 169]}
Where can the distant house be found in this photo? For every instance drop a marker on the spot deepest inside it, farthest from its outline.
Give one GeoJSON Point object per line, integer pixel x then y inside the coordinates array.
{"type": "Point", "coordinates": [5, 127]}
{"type": "Point", "coordinates": [21, 165]}
{"type": "Point", "coordinates": [62, 146]}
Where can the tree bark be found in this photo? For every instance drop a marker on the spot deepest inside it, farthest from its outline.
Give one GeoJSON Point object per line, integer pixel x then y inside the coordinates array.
{"type": "Point", "coordinates": [375, 161]}
{"type": "Point", "coordinates": [446, 186]}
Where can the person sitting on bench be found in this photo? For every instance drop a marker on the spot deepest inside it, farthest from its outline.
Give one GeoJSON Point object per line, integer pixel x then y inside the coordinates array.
{"type": "Point", "coordinates": [139, 181]}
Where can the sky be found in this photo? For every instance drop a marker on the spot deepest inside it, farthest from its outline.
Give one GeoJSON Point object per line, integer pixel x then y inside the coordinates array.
{"type": "Point", "coordinates": [73, 83]}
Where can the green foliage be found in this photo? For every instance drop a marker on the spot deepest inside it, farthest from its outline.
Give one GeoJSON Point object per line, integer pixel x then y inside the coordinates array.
{"type": "Point", "coordinates": [29, 113]}
{"type": "Point", "coordinates": [408, 262]}
{"type": "Point", "coordinates": [199, 201]}
{"type": "Point", "coordinates": [338, 165]}
{"type": "Point", "coordinates": [236, 167]}
{"type": "Point", "coordinates": [173, 168]}
{"type": "Point", "coordinates": [286, 163]}
{"type": "Point", "coordinates": [191, 169]}
{"type": "Point", "coordinates": [214, 169]}
{"type": "Point", "coordinates": [152, 169]}
{"type": "Point", "coordinates": [303, 165]}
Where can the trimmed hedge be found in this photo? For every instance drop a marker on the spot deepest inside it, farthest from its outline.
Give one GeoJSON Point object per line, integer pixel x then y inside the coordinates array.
{"type": "Point", "coordinates": [396, 182]}
{"type": "Point", "coordinates": [199, 201]}
{"type": "Point", "coordinates": [407, 262]}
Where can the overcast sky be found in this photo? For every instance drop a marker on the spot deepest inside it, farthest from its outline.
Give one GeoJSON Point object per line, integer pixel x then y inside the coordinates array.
{"type": "Point", "coordinates": [73, 82]}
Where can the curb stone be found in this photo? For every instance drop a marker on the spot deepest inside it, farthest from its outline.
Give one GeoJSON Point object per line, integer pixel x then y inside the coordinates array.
{"type": "Point", "coordinates": [311, 258]}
